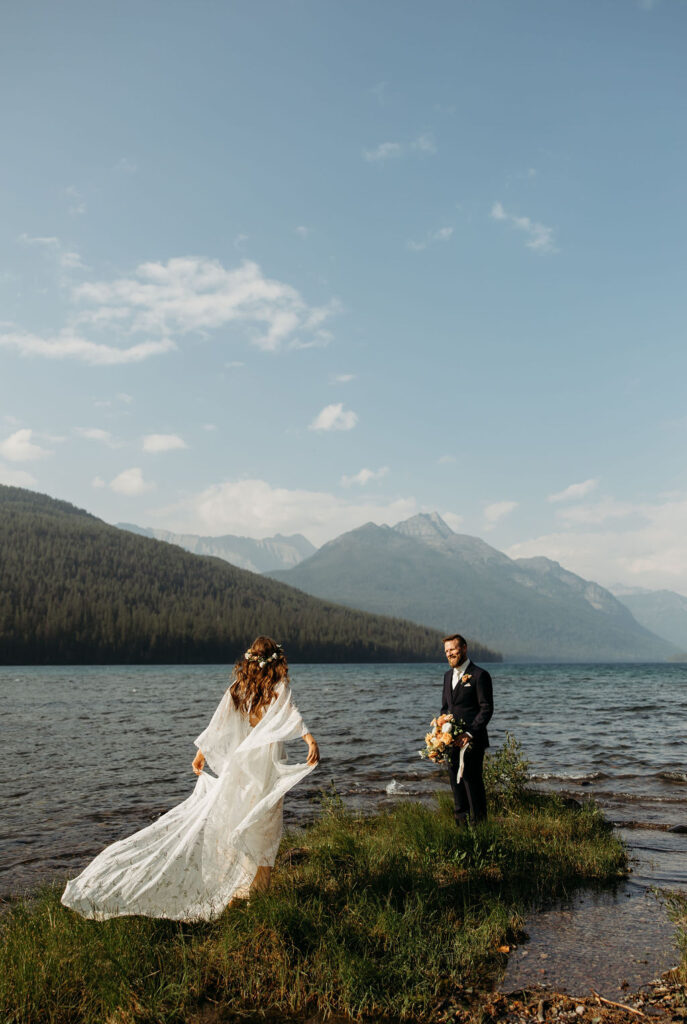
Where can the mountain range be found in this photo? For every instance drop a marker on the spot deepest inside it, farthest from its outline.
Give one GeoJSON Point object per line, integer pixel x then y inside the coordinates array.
{"type": "Point", "coordinates": [664, 612]}
{"type": "Point", "coordinates": [262, 556]}
{"type": "Point", "coordinates": [78, 591]}
{"type": "Point", "coordinates": [528, 608]}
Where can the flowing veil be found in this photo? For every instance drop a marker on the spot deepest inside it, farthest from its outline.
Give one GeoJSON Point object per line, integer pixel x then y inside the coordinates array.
{"type": "Point", "coordinates": [194, 859]}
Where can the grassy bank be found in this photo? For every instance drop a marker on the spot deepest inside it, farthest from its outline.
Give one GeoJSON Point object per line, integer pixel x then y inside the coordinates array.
{"type": "Point", "coordinates": [381, 915]}
{"type": "Point", "coordinates": [676, 904]}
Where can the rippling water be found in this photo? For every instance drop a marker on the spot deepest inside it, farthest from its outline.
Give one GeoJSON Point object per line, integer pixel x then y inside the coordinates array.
{"type": "Point", "coordinates": [92, 753]}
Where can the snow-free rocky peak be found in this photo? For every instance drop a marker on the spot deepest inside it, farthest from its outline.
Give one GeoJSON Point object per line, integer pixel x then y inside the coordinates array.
{"type": "Point", "coordinates": [426, 526]}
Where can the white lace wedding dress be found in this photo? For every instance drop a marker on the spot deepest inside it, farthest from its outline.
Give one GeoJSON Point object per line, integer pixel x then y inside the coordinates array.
{"type": "Point", "coordinates": [189, 863]}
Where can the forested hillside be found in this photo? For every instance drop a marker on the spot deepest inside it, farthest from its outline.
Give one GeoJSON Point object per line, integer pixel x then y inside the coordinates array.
{"type": "Point", "coordinates": [75, 590]}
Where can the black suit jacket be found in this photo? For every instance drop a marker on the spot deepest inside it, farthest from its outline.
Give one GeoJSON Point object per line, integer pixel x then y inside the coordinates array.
{"type": "Point", "coordinates": [473, 702]}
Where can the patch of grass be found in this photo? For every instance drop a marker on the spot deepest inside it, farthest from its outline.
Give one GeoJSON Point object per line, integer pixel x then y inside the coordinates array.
{"type": "Point", "coordinates": [383, 916]}
{"type": "Point", "coordinates": [676, 905]}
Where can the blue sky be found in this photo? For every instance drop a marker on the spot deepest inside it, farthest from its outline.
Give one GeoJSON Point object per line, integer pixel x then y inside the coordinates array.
{"type": "Point", "coordinates": [294, 266]}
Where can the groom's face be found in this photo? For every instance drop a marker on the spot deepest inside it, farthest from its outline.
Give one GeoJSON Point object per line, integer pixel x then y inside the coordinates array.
{"type": "Point", "coordinates": [455, 652]}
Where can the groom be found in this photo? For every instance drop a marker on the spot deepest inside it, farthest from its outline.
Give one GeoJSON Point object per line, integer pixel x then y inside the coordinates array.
{"type": "Point", "coordinates": [468, 697]}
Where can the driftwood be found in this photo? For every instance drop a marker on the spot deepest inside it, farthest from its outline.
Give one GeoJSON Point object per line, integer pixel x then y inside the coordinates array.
{"type": "Point", "coordinates": [621, 1006]}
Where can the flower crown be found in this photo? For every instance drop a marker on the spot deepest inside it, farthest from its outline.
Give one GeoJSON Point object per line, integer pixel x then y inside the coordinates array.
{"type": "Point", "coordinates": [275, 656]}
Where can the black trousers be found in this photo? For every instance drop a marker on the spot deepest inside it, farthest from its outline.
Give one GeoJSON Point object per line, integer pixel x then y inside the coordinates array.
{"type": "Point", "coordinates": [469, 797]}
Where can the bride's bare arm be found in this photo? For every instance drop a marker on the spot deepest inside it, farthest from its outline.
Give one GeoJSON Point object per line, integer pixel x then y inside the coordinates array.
{"type": "Point", "coordinates": [313, 749]}
{"type": "Point", "coordinates": [198, 762]}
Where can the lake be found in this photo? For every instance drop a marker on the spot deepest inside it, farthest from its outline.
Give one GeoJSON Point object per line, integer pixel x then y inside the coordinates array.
{"type": "Point", "coordinates": [94, 752]}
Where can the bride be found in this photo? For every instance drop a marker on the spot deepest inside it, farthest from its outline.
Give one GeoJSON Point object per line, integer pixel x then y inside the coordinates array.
{"type": "Point", "coordinates": [222, 841]}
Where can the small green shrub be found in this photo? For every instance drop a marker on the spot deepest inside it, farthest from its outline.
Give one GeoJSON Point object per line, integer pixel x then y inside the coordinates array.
{"type": "Point", "coordinates": [506, 773]}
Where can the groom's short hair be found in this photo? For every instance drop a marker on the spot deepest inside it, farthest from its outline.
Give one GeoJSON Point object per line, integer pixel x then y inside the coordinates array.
{"type": "Point", "coordinates": [456, 636]}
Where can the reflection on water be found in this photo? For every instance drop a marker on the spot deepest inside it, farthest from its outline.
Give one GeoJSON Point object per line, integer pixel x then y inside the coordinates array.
{"type": "Point", "coordinates": [96, 752]}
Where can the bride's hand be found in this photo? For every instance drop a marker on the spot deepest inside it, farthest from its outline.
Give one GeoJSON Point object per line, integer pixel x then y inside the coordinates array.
{"type": "Point", "coordinates": [313, 753]}
{"type": "Point", "coordinates": [198, 762]}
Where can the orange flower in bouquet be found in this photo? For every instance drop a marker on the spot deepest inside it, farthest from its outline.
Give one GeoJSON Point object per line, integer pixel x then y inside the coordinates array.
{"type": "Point", "coordinates": [444, 734]}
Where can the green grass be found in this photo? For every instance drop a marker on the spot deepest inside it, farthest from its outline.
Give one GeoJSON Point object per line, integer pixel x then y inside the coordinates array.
{"type": "Point", "coordinates": [382, 917]}
{"type": "Point", "coordinates": [676, 905]}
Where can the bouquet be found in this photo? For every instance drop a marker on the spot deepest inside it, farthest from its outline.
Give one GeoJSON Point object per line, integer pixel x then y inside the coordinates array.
{"type": "Point", "coordinates": [443, 735]}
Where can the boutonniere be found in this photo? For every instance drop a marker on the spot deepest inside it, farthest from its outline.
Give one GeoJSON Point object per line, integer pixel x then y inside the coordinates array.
{"type": "Point", "coordinates": [466, 679]}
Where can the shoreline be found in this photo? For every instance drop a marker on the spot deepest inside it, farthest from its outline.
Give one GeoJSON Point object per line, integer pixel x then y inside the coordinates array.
{"type": "Point", "coordinates": [359, 863]}
{"type": "Point", "coordinates": [629, 925]}
{"type": "Point", "coordinates": [664, 995]}
{"type": "Point", "coordinates": [377, 916]}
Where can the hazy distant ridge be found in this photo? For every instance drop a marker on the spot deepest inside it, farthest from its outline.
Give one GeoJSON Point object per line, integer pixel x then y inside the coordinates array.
{"type": "Point", "coordinates": [662, 611]}
{"type": "Point", "coordinates": [266, 555]}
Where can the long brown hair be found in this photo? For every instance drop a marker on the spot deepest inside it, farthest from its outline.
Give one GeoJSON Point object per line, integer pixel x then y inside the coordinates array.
{"type": "Point", "coordinates": [256, 676]}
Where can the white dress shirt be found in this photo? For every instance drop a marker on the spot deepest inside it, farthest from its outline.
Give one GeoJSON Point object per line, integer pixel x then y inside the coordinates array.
{"type": "Point", "coordinates": [459, 671]}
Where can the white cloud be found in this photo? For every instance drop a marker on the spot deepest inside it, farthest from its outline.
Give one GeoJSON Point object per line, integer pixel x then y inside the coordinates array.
{"type": "Point", "coordinates": [153, 443]}
{"type": "Point", "coordinates": [599, 512]}
{"type": "Point", "coordinates": [384, 151]}
{"type": "Point", "coordinates": [645, 547]}
{"type": "Point", "coordinates": [168, 300]}
{"type": "Point", "coordinates": [574, 491]}
{"type": "Point", "coordinates": [131, 483]}
{"type": "Point", "coordinates": [424, 143]}
{"type": "Point", "coordinates": [16, 477]}
{"type": "Point", "coordinates": [446, 460]}
{"type": "Point", "coordinates": [209, 426]}
{"type": "Point", "coordinates": [538, 236]}
{"type": "Point", "coordinates": [234, 364]}
{"type": "Point", "coordinates": [72, 261]}
{"type": "Point", "coordinates": [365, 476]}
{"type": "Point", "coordinates": [452, 520]}
{"type": "Point", "coordinates": [76, 202]}
{"type": "Point", "coordinates": [98, 481]}
{"type": "Point", "coordinates": [254, 508]}
{"type": "Point", "coordinates": [442, 235]}
{"type": "Point", "coordinates": [52, 246]}
{"type": "Point", "coordinates": [302, 231]}
{"type": "Point", "coordinates": [343, 378]}
{"type": "Point", "coordinates": [334, 417]}
{"type": "Point", "coordinates": [497, 511]}
{"type": "Point", "coordinates": [48, 242]}
{"type": "Point", "coordinates": [19, 447]}
{"type": "Point", "coordinates": [240, 240]}
{"type": "Point", "coordinates": [191, 294]}
{"type": "Point", "coordinates": [96, 434]}
{"type": "Point", "coordinates": [68, 345]}
{"type": "Point", "coordinates": [107, 403]}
